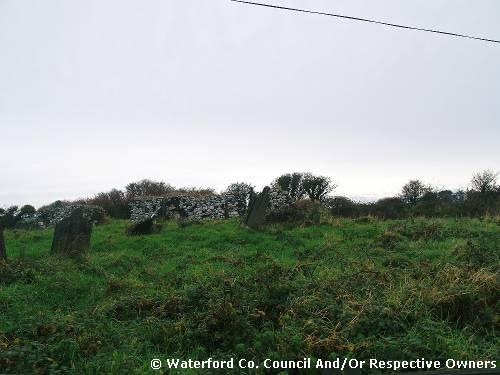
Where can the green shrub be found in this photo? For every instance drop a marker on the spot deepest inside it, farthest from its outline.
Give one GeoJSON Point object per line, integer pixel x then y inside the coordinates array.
{"type": "Point", "coordinates": [303, 212]}
{"type": "Point", "coordinates": [478, 253]}
{"type": "Point", "coordinates": [389, 239]}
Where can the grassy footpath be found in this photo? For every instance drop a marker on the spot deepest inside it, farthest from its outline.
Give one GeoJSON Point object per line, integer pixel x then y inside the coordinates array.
{"type": "Point", "coordinates": [383, 289]}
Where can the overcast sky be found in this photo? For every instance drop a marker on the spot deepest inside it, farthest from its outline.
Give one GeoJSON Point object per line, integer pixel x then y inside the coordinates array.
{"type": "Point", "coordinates": [96, 94]}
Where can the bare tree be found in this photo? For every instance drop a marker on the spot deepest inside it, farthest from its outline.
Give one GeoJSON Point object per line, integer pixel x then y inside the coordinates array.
{"type": "Point", "coordinates": [484, 181]}
{"type": "Point", "coordinates": [114, 202]}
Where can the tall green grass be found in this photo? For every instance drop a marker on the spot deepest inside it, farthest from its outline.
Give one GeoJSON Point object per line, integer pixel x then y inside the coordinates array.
{"type": "Point", "coordinates": [357, 288]}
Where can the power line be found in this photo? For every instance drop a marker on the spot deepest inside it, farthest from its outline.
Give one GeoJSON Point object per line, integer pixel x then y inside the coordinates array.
{"type": "Point", "coordinates": [367, 20]}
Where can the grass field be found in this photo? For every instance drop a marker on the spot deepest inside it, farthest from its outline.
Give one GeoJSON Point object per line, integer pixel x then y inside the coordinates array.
{"type": "Point", "coordinates": [365, 289]}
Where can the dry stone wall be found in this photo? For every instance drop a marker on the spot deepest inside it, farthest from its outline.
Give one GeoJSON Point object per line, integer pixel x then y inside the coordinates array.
{"type": "Point", "coordinates": [221, 206]}
{"type": "Point", "coordinates": [279, 199]}
{"type": "Point", "coordinates": [56, 212]}
{"type": "Point", "coordinates": [192, 208]}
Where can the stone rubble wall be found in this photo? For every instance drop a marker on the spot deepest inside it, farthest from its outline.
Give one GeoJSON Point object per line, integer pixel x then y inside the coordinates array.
{"type": "Point", "coordinates": [221, 206]}
{"type": "Point", "coordinates": [192, 208]}
{"type": "Point", "coordinates": [279, 199]}
{"type": "Point", "coordinates": [53, 214]}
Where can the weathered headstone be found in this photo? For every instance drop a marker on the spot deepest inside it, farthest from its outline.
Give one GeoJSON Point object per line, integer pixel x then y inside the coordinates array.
{"type": "Point", "coordinates": [3, 251]}
{"type": "Point", "coordinates": [258, 209]}
{"type": "Point", "coordinates": [72, 235]}
{"type": "Point", "coordinates": [145, 226]}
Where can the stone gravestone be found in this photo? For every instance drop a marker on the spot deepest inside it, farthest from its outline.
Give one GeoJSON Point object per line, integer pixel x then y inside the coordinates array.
{"type": "Point", "coordinates": [72, 234]}
{"type": "Point", "coordinates": [3, 251]}
{"type": "Point", "coordinates": [258, 209]}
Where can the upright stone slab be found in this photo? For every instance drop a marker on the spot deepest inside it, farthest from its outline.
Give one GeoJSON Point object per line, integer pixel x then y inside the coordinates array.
{"type": "Point", "coordinates": [72, 235]}
{"type": "Point", "coordinates": [3, 251]}
{"type": "Point", "coordinates": [258, 209]}
{"type": "Point", "coordinates": [143, 227]}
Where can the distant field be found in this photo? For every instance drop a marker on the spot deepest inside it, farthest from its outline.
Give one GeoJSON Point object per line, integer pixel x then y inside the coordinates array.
{"type": "Point", "coordinates": [365, 289]}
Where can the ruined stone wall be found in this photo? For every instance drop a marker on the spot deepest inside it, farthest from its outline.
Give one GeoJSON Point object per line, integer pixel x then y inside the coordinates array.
{"type": "Point", "coordinates": [279, 199]}
{"type": "Point", "coordinates": [54, 213]}
{"type": "Point", "coordinates": [221, 206]}
{"type": "Point", "coordinates": [192, 208]}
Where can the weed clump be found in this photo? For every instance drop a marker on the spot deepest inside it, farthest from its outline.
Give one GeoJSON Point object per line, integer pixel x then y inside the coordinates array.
{"type": "Point", "coordinates": [143, 307]}
{"type": "Point", "coordinates": [365, 220]}
{"type": "Point", "coordinates": [428, 230]}
{"type": "Point", "coordinates": [478, 253]}
{"type": "Point", "coordinates": [465, 297]}
{"type": "Point", "coordinates": [17, 271]}
{"type": "Point", "coordinates": [389, 239]}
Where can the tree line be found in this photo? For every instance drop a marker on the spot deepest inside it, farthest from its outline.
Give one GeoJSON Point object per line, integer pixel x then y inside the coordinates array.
{"type": "Point", "coordinates": [419, 199]}
{"type": "Point", "coordinates": [415, 198]}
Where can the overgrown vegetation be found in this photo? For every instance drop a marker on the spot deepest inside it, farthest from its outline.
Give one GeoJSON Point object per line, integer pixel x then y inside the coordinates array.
{"type": "Point", "coordinates": [316, 286]}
